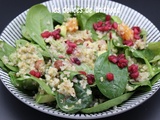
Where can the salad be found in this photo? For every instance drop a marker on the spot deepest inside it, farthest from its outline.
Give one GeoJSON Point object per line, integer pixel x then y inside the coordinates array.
{"type": "Point", "coordinates": [80, 62]}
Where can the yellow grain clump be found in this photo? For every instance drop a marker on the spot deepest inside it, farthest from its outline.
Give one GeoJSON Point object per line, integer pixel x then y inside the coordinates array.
{"type": "Point", "coordinates": [72, 25]}
{"type": "Point", "coordinates": [125, 32]}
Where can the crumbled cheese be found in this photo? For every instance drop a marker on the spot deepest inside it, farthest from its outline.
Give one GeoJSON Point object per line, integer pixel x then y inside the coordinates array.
{"type": "Point", "coordinates": [89, 92]}
{"type": "Point", "coordinates": [139, 44]}
{"type": "Point", "coordinates": [79, 101]}
{"type": "Point", "coordinates": [129, 88]}
{"type": "Point", "coordinates": [143, 76]}
{"type": "Point", "coordinates": [83, 83]}
{"type": "Point", "coordinates": [66, 88]}
{"type": "Point", "coordinates": [101, 79]}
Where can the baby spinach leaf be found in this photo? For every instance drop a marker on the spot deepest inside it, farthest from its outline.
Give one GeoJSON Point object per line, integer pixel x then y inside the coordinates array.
{"type": "Point", "coordinates": [154, 47]}
{"type": "Point", "coordinates": [84, 67]}
{"type": "Point", "coordinates": [155, 79]}
{"type": "Point", "coordinates": [71, 104]}
{"type": "Point", "coordinates": [83, 17]}
{"type": "Point", "coordinates": [143, 85]}
{"type": "Point", "coordinates": [93, 19]}
{"type": "Point", "coordinates": [110, 89]}
{"type": "Point", "coordinates": [108, 104]}
{"type": "Point", "coordinates": [140, 54]}
{"type": "Point", "coordinates": [32, 79]}
{"type": "Point", "coordinates": [38, 19]}
{"type": "Point", "coordinates": [25, 33]}
{"type": "Point", "coordinates": [40, 98]}
{"type": "Point", "coordinates": [116, 19]}
{"type": "Point", "coordinates": [58, 17]}
{"type": "Point", "coordinates": [3, 67]}
{"type": "Point", "coordinates": [46, 23]}
{"type": "Point", "coordinates": [6, 49]}
{"type": "Point", "coordinates": [22, 83]}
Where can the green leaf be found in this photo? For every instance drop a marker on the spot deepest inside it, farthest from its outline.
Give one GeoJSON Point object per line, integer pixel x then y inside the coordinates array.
{"type": "Point", "coordinates": [38, 19]}
{"type": "Point", "coordinates": [140, 54]}
{"type": "Point", "coordinates": [13, 68]}
{"type": "Point", "coordinates": [71, 104]}
{"type": "Point", "coordinates": [83, 17]}
{"type": "Point", "coordinates": [58, 17]}
{"type": "Point", "coordinates": [154, 47]}
{"type": "Point", "coordinates": [93, 19]}
{"type": "Point", "coordinates": [44, 98]}
{"type": "Point", "coordinates": [142, 85]}
{"type": "Point", "coordinates": [3, 67]}
{"type": "Point", "coordinates": [25, 33]}
{"type": "Point", "coordinates": [108, 104]}
{"type": "Point", "coordinates": [22, 83]}
{"type": "Point", "coordinates": [110, 89]}
{"type": "Point", "coordinates": [84, 67]}
{"type": "Point", "coordinates": [116, 19]}
{"type": "Point", "coordinates": [6, 49]}
{"type": "Point", "coordinates": [155, 79]}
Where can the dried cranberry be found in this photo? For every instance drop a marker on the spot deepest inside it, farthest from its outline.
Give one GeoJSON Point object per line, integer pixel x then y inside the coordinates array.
{"type": "Point", "coordinates": [110, 76]}
{"type": "Point", "coordinates": [35, 73]}
{"type": "Point", "coordinates": [95, 26]}
{"type": "Point", "coordinates": [56, 34]}
{"type": "Point", "coordinates": [46, 34]}
{"type": "Point", "coordinates": [113, 59]}
{"type": "Point", "coordinates": [122, 63]}
{"type": "Point", "coordinates": [69, 50]}
{"type": "Point", "coordinates": [133, 68]}
{"type": "Point", "coordinates": [90, 79]}
{"type": "Point", "coordinates": [134, 75]}
{"type": "Point", "coordinates": [99, 24]}
{"type": "Point", "coordinates": [137, 36]}
{"type": "Point", "coordinates": [114, 25]}
{"type": "Point", "coordinates": [108, 17]}
{"type": "Point", "coordinates": [136, 30]}
{"type": "Point", "coordinates": [76, 61]}
{"type": "Point", "coordinates": [83, 73]}
{"type": "Point", "coordinates": [38, 74]}
{"type": "Point", "coordinates": [128, 42]}
{"type": "Point", "coordinates": [120, 56]}
{"type": "Point", "coordinates": [71, 44]}
{"type": "Point", "coordinates": [32, 72]}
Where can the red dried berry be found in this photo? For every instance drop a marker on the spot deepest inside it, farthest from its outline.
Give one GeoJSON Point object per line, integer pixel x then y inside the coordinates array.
{"type": "Point", "coordinates": [122, 63]}
{"type": "Point", "coordinates": [83, 73]}
{"type": "Point", "coordinates": [32, 72]}
{"type": "Point", "coordinates": [134, 75]}
{"type": "Point", "coordinates": [128, 42]}
{"type": "Point", "coordinates": [113, 59]}
{"type": "Point", "coordinates": [114, 25]}
{"type": "Point", "coordinates": [133, 68]}
{"type": "Point", "coordinates": [120, 56]}
{"type": "Point", "coordinates": [108, 17]}
{"type": "Point", "coordinates": [110, 76]}
{"type": "Point", "coordinates": [71, 44]}
{"type": "Point", "coordinates": [136, 30]}
{"type": "Point", "coordinates": [35, 73]}
{"type": "Point", "coordinates": [56, 34]}
{"type": "Point", "coordinates": [46, 34]}
{"type": "Point", "coordinates": [38, 74]}
{"type": "Point", "coordinates": [137, 36]}
{"type": "Point", "coordinates": [90, 79]}
{"type": "Point", "coordinates": [76, 61]}
{"type": "Point", "coordinates": [69, 50]}
{"type": "Point", "coordinates": [95, 26]}
{"type": "Point", "coordinates": [99, 24]}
